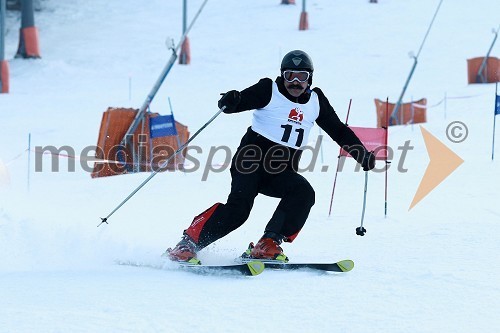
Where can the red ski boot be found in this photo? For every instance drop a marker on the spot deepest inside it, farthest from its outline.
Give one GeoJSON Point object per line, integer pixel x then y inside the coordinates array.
{"type": "Point", "coordinates": [184, 251]}
{"type": "Point", "coordinates": [269, 249]}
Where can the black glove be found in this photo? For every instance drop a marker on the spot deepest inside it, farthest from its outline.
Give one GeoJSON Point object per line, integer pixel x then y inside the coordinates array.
{"type": "Point", "coordinates": [368, 162]}
{"type": "Point", "coordinates": [230, 100]}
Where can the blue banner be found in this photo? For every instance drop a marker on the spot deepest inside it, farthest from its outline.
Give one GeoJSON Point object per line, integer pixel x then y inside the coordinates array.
{"type": "Point", "coordinates": [162, 126]}
{"type": "Point", "coordinates": [497, 105]}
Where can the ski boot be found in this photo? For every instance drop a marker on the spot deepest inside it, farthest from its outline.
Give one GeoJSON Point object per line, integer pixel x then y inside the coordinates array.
{"type": "Point", "coordinates": [267, 248]}
{"type": "Point", "coordinates": [183, 252]}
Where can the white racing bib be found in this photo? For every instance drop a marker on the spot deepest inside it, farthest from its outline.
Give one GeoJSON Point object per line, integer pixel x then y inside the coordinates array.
{"type": "Point", "coordinates": [285, 122]}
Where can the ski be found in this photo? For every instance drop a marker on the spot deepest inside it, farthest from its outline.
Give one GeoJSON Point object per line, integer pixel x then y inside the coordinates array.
{"type": "Point", "coordinates": [250, 268]}
{"type": "Point", "coordinates": [340, 266]}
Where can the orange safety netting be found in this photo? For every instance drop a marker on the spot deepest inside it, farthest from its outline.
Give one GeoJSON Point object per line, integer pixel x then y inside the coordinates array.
{"type": "Point", "coordinates": [408, 113]}
{"type": "Point", "coordinates": [489, 74]}
{"type": "Point", "coordinates": [142, 154]}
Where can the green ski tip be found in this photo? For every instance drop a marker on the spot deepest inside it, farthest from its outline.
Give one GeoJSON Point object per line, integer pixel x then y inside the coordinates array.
{"type": "Point", "coordinates": [255, 267]}
{"type": "Point", "coordinates": [346, 265]}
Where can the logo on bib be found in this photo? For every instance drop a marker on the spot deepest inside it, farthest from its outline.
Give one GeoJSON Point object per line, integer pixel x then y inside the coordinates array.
{"type": "Point", "coordinates": [296, 116]}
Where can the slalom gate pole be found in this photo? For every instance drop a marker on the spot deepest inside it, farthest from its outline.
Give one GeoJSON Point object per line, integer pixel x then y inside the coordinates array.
{"type": "Point", "coordinates": [387, 147]}
{"type": "Point", "coordinates": [29, 160]}
{"type": "Point", "coordinates": [334, 184]}
{"type": "Point", "coordinates": [494, 123]}
{"type": "Point", "coordinates": [493, 144]}
{"type": "Point", "coordinates": [360, 231]}
{"type": "Point", "coordinates": [177, 135]}
{"type": "Point", "coordinates": [163, 165]}
{"type": "Point", "coordinates": [338, 161]}
{"type": "Point", "coordinates": [172, 113]}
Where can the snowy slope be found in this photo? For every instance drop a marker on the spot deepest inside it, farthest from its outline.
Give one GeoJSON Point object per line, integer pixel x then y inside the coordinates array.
{"type": "Point", "coordinates": [431, 269]}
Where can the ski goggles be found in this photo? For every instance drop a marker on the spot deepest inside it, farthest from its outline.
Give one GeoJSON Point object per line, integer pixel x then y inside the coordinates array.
{"type": "Point", "coordinates": [301, 76]}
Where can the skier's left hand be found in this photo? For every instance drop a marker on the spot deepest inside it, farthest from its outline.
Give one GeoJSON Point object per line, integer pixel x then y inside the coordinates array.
{"type": "Point", "coordinates": [368, 162]}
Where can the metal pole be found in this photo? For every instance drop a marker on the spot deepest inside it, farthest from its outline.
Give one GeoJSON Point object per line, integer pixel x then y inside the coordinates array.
{"type": "Point", "coordinates": [494, 121]}
{"type": "Point", "coordinates": [348, 111]}
{"type": "Point", "coordinates": [303, 23]}
{"type": "Point", "coordinates": [2, 29]}
{"type": "Point", "coordinates": [183, 59]}
{"type": "Point", "coordinates": [159, 81]}
{"type": "Point", "coordinates": [29, 159]}
{"type": "Point", "coordinates": [360, 231]}
{"type": "Point", "coordinates": [177, 135]}
{"type": "Point", "coordinates": [139, 153]}
{"type": "Point", "coordinates": [493, 145]}
{"type": "Point", "coordinates": [394, 113]}
{"type": "Point", "coordinates": [398, 103]}
{"type": "Point", "coordinates": [338, 161]}
{"type": "Point", "coordinates": [387, 147]}
{"type": "Point", "coordinates": [4, 65]}
{"type": "Point", "coordinates": [430, 26]}
{"type": "Point", "coordinates": [364, 199]}
{"type": "Point", "coordinates": [480, 77]}
{"type": "Point", "coordinates": [386, 171]}
{"type": "Point", "coordinates": [27, 14]}
{"type": "Point", "coordinates": [28, 37]}
{"type": "Point", "coordinates": [172, 113]}
{"type": "Point", "coordinates": [163, 165]}
{"type": "Point", "coordinates": [334, 184]}
{"type": "Point", "coordinates": [184, 17]}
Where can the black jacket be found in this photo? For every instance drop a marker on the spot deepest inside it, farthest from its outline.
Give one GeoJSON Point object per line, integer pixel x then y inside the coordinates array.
{"type": "Point", "coordinates": [258, 96]}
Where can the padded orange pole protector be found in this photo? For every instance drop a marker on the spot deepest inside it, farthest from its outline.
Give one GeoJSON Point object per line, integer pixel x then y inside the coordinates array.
{"type": "Point", "coordinates": [4, 76]}
{"type": "Point", "coordinates": [30, 35]}
{"type": "Point", "coordinates": [185, 56]}
{"type": "Point", "coordinates": [304, 23]}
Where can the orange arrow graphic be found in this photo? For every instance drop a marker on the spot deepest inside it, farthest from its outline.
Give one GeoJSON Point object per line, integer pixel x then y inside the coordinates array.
{"type": "Point", "coordinates": [442, 163]}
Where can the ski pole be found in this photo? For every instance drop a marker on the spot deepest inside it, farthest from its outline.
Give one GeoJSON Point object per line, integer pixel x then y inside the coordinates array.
{"type": "Point", "coordinates": [163, 165]}
{"type": "Point", "coordinates": [360, 231]}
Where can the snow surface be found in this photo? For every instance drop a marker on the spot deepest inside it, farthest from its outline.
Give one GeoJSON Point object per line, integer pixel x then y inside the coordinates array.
{"type": "Point", "coordinates": [432, 269]}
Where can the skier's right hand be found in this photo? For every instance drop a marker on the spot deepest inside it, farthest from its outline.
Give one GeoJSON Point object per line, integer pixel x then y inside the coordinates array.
{"type": "Point", "coordinates": [368, 162]}
{"type": "Point", "coordinates": [230, 100]}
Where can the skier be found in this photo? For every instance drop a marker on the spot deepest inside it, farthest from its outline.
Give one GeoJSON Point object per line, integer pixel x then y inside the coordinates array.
{"type": "Point", "coordinates": [267, 160]}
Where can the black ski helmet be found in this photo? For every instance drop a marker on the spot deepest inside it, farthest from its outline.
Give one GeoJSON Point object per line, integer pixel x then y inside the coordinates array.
{"type": "Point", "coordinates": [297, 60]}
